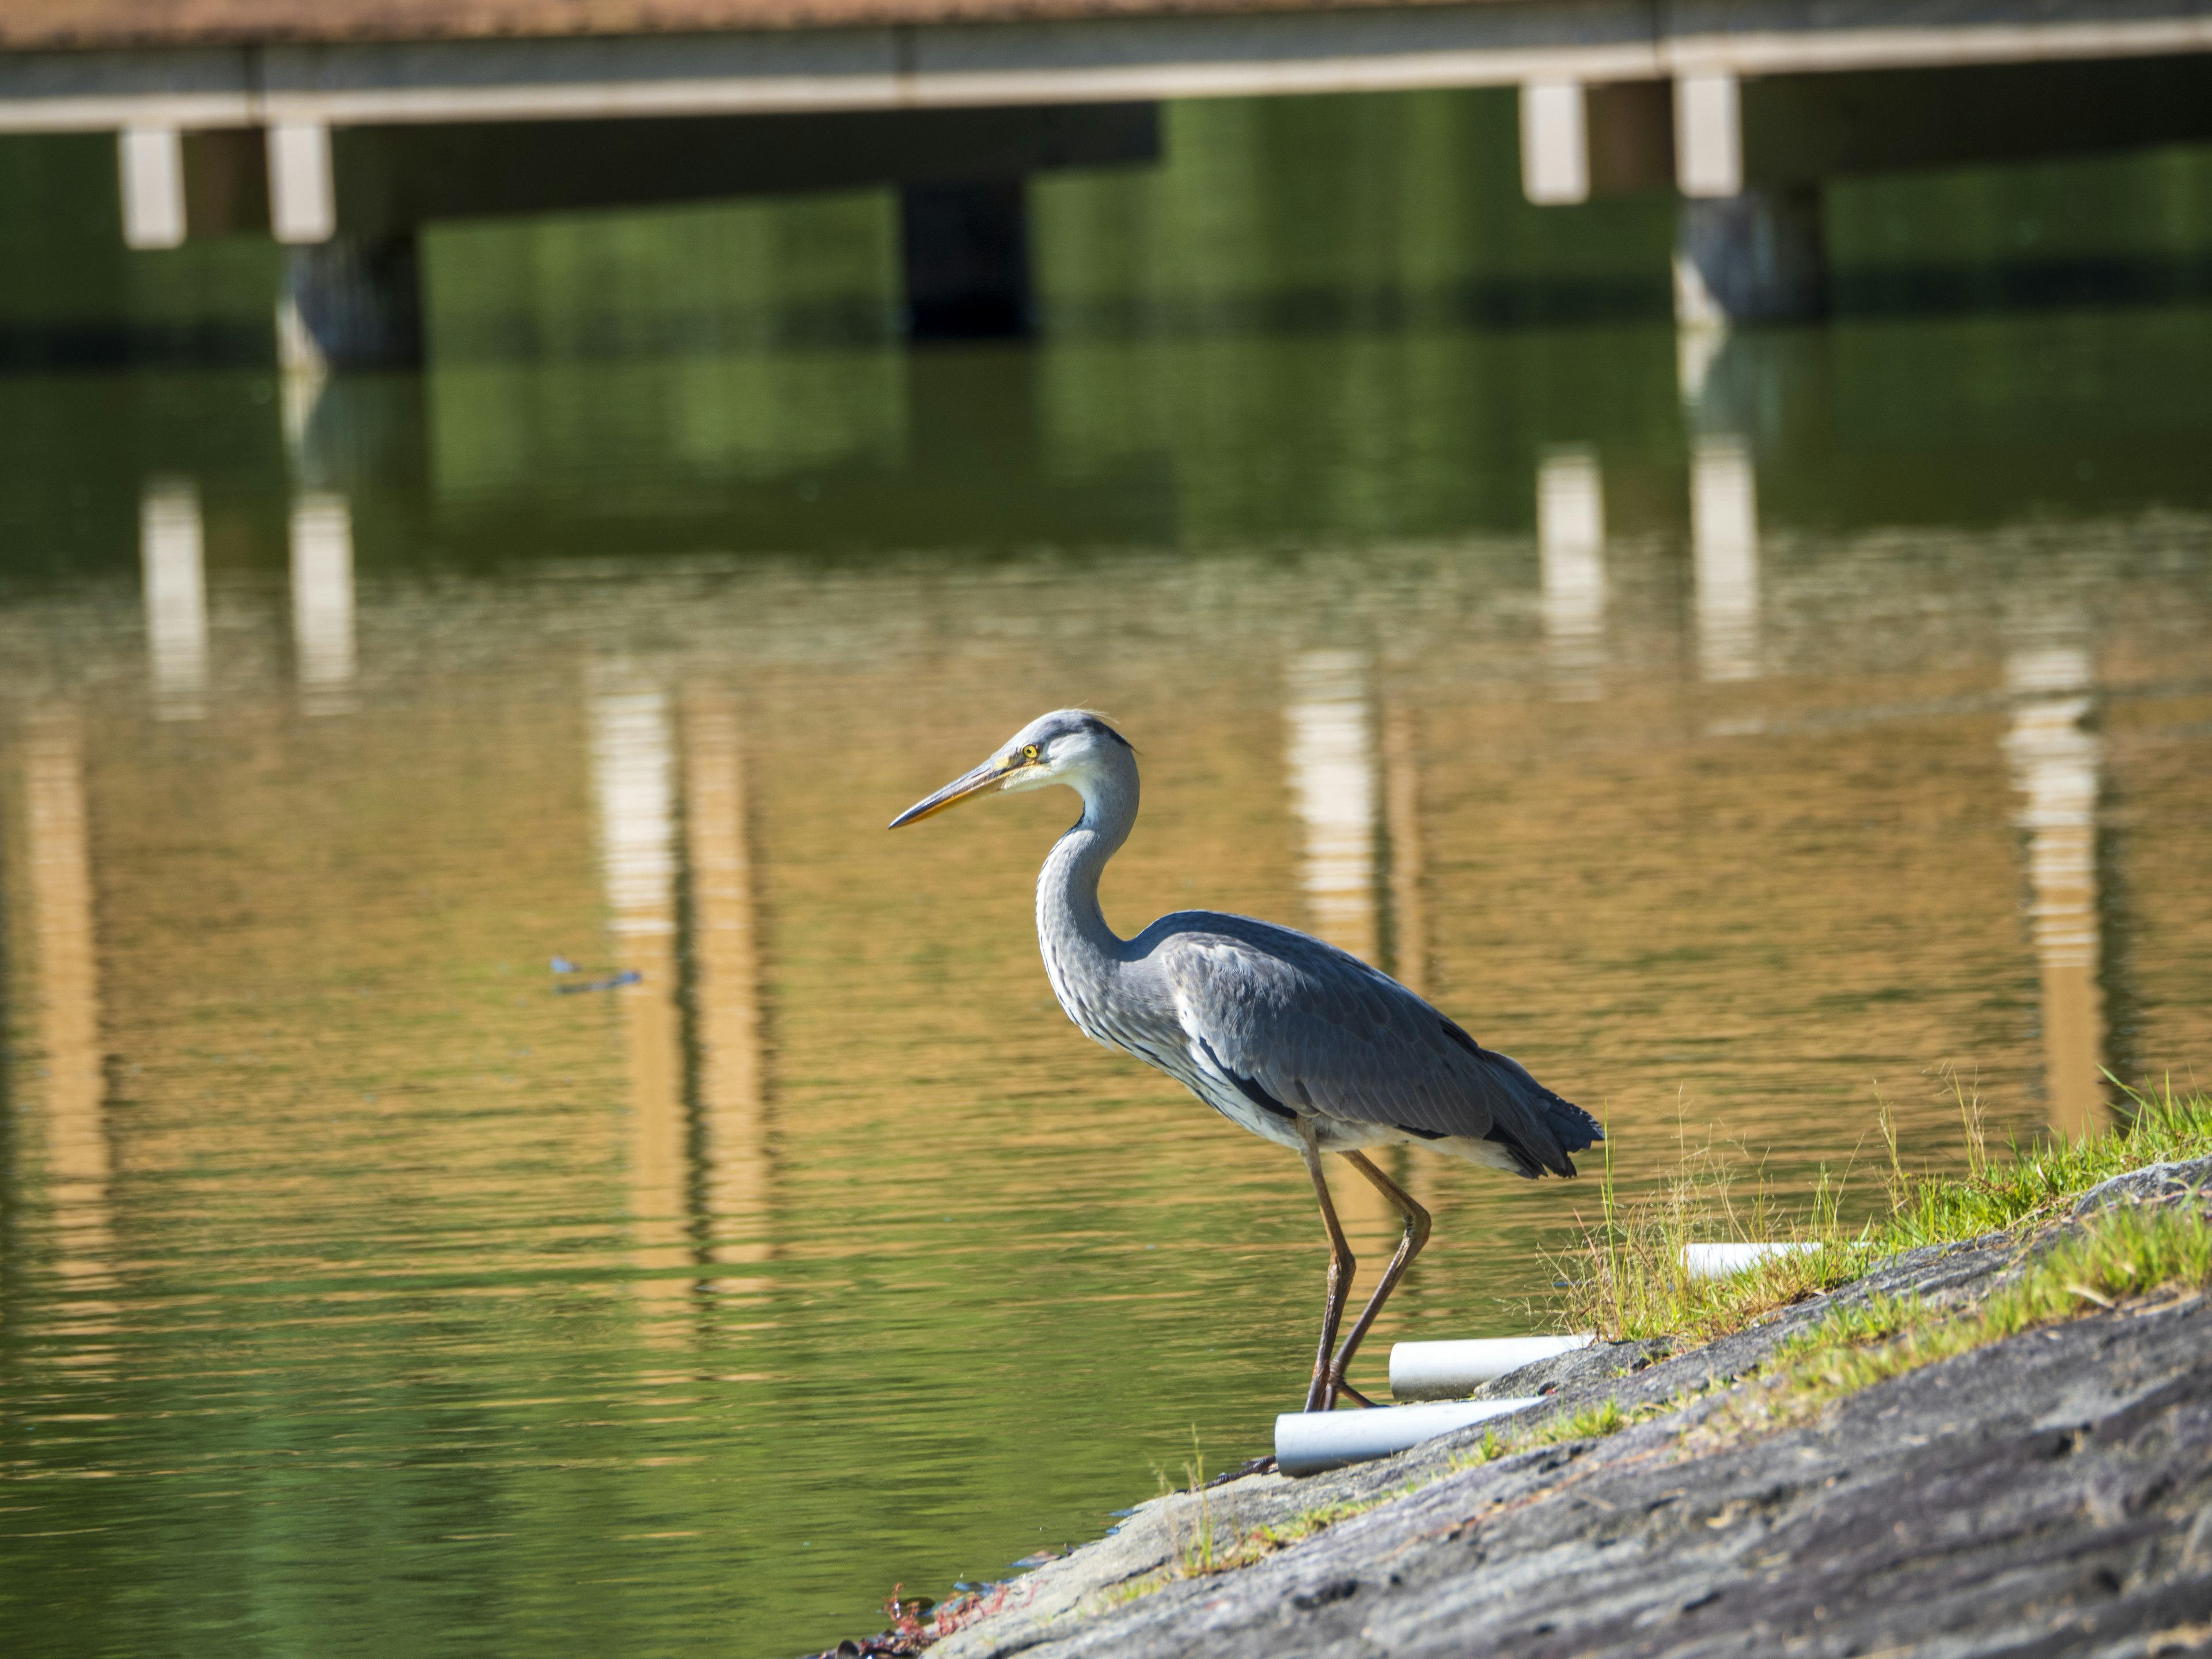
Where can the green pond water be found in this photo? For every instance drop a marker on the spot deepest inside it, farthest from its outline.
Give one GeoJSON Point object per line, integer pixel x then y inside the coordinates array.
{"type": "Point", "coordinates": [1736, 733]}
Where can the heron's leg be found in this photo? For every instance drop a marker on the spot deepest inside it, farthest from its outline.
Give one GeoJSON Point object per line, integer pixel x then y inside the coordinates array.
{"type": "Point", "coordinates": [1417, 1234]}
{"type": "Point", "coordinates": [1322, 1396]}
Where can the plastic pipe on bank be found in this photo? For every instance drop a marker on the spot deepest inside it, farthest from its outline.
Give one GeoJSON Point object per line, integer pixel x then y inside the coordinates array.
{"type": "Point", "coordinates": [1719, 1261]}
{"type": "Point", "coordinates": [1307, 1442]}
{"type": "Point", "coordinates": [1451, 1370]}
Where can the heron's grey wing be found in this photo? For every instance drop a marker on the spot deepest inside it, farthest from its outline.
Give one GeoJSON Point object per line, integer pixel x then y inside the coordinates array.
{"type": "Point", "coordinates": [1300, 1026]}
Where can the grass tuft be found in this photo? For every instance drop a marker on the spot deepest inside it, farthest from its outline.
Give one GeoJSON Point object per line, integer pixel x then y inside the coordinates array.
{"type": "Point", "coordinates": [1592, 1422]}
{"type": "Point", "coordinates": [1258, 1544]}
{"type": "Point", "coordinates": [2039, 1178]}
{"type": "Point", "coordinates": [1625, 1280]}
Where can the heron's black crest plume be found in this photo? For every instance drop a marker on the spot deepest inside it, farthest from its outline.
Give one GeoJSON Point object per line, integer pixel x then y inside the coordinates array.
{"type": "Point", "coordinates": [1069, 721]}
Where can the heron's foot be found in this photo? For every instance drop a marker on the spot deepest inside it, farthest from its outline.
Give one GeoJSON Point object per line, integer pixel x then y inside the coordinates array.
{"type": "Point", "coordinates": [1257, 1466]}
{"type": "Point", "coordinates": [1339, 1386]}
{"type": "Point", "coordinates": [1323, 1396]}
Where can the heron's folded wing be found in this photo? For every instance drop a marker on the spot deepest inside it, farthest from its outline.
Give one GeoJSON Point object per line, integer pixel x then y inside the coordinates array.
{"type": "Point", "coordinates": [1314, 1029]}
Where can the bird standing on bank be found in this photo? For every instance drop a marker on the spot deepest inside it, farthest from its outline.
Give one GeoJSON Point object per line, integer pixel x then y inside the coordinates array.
{"type": "Point", "coordinates": [1289, 1037]}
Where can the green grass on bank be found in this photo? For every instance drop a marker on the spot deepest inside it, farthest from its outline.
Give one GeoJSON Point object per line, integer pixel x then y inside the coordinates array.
{"type": "Point", "coordinates": [2000, 1193]}
{"type": "Point", "coordinates": [1632, 1283]}
{"type": "Point", "coordinates": [2121, 1254]}
{"type": "Point", "coordinates": [1626, 1278]}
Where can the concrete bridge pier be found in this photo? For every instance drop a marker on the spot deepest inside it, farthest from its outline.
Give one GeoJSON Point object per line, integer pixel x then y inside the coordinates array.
{"type": "Point", "coordinates": [1757, 257]}
{"type": "Point", "coordinates": [1746, 251]}
{"type": "Point", "coordinates": [1749, 158]}
{"type": "Point", "coordinates": [351, 202]}
{"type": "Point", "coordinates": [354, 301]}
{"type": "Point", "coordinates": [1743, 252]}
{"type": "Point", "coordinates": [1752, 157]}
{"type": "Point", "coordinates": [966, 252]}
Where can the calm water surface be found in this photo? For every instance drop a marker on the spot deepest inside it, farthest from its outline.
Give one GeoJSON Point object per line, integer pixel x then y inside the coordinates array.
{"type": "Point", "coordinates": [1734, 742]}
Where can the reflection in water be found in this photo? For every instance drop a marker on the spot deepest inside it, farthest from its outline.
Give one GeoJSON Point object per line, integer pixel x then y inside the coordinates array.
{"type": "Point", "coordinates": [2055, 764]}
{"type": "Point", "coordinates": [1332, 757]}
{"type": "Point", "coordinates": [1401, 799]}
{"type": "Point", "coordinates": [322, 601]}
{"type": "Point", "coordinates": [1333, 790]}
{"type": "Point", "coordinates": [173, 577]}
{"type": "Point", "coordinates": [1696, 350]}
{"type": "Point", "coordinates": [299, 393]}
{"type": "Point", "coordinates": [724, 983]}
{"type": "Point", "coordinates": [1724, 537]}
{"type": "Point", "coordinates": [79, 1163]}
{"type": "Point", "coordinates": [634, 779]}
{"type": "Point", "coordinates": [1407, 959]}
{"type": "Point", "coordinates": [1571, 544]}
{"type": "Point", "coordinates": [377, 1178]}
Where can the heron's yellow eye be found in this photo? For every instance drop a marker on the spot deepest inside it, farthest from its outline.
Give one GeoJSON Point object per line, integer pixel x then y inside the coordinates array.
{"type": "Point", "coordinates": [1029, 751]}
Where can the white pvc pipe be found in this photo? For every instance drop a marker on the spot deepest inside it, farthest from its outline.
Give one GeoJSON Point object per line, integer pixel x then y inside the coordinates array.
{"type": "Point", "coordinates": [1719, 1261]}
{"type": "Point", "coordinates": [1307, 1442]}
{"type": "Point", "coordinates": [1450, 1371]}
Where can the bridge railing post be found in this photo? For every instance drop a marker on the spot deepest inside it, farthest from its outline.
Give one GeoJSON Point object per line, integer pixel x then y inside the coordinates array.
{"type": "Point", "coordinates": [151, 169]}
{"type": "Point", "coordinates": [1554, 142]}
{"type": "Point", "coordinates": [966, 250]}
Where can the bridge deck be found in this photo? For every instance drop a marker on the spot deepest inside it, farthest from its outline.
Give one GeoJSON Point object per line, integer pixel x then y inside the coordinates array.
{"type": "Point", "coordinates": [786, 55]}
{"type": "Point", "coordinates": [28, 24]}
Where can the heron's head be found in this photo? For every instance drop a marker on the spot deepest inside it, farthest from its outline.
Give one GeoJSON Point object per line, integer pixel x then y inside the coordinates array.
{"type": "Point", "coordinates": [1069, 745]}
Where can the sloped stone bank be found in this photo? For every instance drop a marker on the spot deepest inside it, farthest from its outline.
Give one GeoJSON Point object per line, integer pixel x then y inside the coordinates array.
{"type": "Point", "coordinates": [2047, 1494]}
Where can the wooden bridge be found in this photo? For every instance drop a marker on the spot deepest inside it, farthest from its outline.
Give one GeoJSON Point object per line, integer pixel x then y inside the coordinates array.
{"type": "Point", "coordinates": [343, 126]}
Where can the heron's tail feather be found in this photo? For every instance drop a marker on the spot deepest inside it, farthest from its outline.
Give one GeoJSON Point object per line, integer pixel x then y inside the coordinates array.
{"type": "Point", "coordinates": [1544, 1128]}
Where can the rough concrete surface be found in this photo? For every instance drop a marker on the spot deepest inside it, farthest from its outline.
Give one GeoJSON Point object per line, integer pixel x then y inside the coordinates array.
{"type": "Point", "coordinates": [2049, 1494]}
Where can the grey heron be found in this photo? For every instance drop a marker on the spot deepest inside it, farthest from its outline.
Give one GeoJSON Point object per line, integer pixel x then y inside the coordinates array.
{"type": "Point", "coordinates": [1289, 1037]}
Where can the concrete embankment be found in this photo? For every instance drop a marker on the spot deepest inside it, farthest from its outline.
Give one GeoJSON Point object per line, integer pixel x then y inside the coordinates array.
{"type": "Point", "coordinates": [2048, 1493]}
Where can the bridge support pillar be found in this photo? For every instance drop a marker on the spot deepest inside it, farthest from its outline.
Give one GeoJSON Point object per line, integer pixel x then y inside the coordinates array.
{"type": "Point", "coordinates": [351, 303]}
{"type": "Point", "coordinates": [967, 256]}
{"type": "Point", "coordinates": [1757, 257]}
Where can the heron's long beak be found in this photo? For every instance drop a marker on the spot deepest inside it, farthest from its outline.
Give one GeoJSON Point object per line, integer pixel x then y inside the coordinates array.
{"type": "Point", "coordinates": [986, 776]}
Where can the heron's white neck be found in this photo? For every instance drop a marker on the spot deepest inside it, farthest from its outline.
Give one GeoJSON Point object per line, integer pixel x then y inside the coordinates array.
{"type": "Point", "coordinates": [1081, 950]}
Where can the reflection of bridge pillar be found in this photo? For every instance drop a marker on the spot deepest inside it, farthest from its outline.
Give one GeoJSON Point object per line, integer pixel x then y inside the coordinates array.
{"type": "Point", "coordinates": [79, 1163]}
{"type": "Point", "coordinates": [725, 983]}
{"type": "Point", "coordinates": [1331, 759]}
{"type": "Point", "coordinates": [1571, 544]}
{"type": "Point", "coordinates": [174, 587]}
{"type": "Point", "coordinates": [633, 774]}
{"type": "Point", "coordinates": [1724, 539]}
{"type": "Point", "coordinates": [2055, 765]}
{"type": "Point", "coordinates": [322, 601]}
{"type": "Point", "coordinates": [1401, 813]}
{"type": "Point", "coordinates": [1333, 789]}
{"type": "Point", "coordinates": [1408, 961]}
{"type": "Point", "coordinates": [967, 256]}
